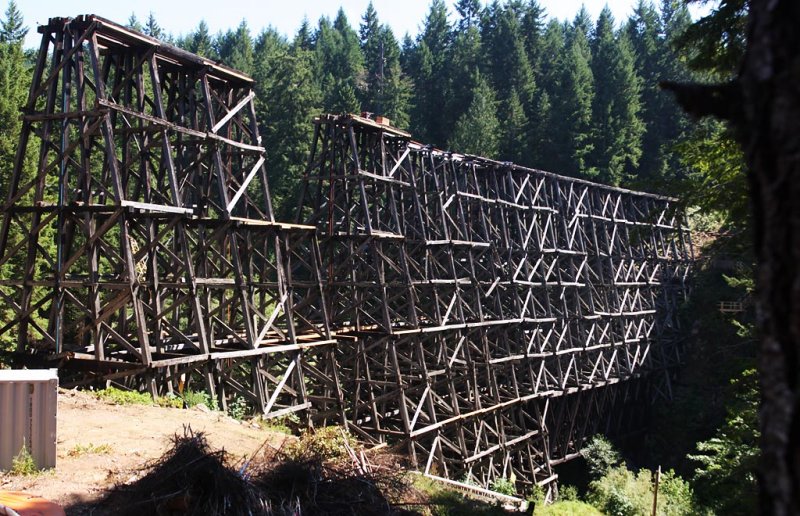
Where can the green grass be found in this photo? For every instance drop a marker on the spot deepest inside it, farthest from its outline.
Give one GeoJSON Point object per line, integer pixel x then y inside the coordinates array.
{"type": "Point", "coordinates": [89, 449]}
{"type": "Point", "coordinates": [23, 463]}
{"type": "Point", "coordinates": [444, 502]}
{"type": "Point", "coordinates": [120, 397]}
{"type": "Point", "coordinates": [566, 508]}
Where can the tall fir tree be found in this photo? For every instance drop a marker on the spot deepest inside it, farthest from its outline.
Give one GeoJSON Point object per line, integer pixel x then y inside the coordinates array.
{"type": "Point", "coordinates": [12, 28]}
{"type": "Point", "coordinates": [152, 28]}
{"type": "Point", "coordinates": [651, 37]}
{"type": "Point", "coordinates": [514, 132]}
{"type": "Point", "coordinates": [544, 143]}
{"type": "Point", "coordinates": [340, 64]}
{"type": "Point", "coordinates": [465, 59]}
{"type": "Point", "coordinates": [287, 96]}
{"type": "Point", "coordinates": [477, 131]}
{"type": "Point", "coordinates": [572, 105]}
{"type": "Point", "coordinates": [304, 38]}
{"type": "Point", "coordinates": [15, 79]}
{"type": "Point", "coordinates": [469, 12]}
{"type": "Point", "coordinates": [134, 23]}
{"type": "Point", "coordinates": [617, 127]}
{"type": "Point", "coordinates": [533, 29]}
{"type": "Point", "coordinates": [387, 89]}
{"type": "Point", "coordinates": [199, 41]}
{"type": "Point", "coordinates": [235, 48]}
{"type": "Point", "coordinates": [583, 21]}
{"type": "Point", "coordinates": [505, 54]}
{"type": "Point", "coordinates": [426, 65]}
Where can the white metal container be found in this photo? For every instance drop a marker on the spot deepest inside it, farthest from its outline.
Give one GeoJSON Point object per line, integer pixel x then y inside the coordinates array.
{"type": "Point", "coordinates": [28, 410]}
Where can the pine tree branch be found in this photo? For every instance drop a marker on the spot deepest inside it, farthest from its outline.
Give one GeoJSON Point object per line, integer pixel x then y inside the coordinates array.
{"type": "Point", "coordinates": [723, 101]}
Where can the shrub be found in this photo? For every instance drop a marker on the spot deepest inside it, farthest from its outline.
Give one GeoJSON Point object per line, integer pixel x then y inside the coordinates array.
{"type": "Point", "coordinates": [238, 408]}
{"type": "Point", "coordinates": [622, 492]}
{"type": "Point", "coordinates": [567, 493]}
{"type": "Point", "coordinates": [504, 486]}
{"type": "Point", "coordinates": [23, 463]}
{"type": "Point", "coordinates": [600, 456]}
{"type": "Point", "coordinates": [193, 398]}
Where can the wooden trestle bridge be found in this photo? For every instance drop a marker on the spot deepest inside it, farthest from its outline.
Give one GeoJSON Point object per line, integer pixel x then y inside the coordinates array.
{"type": "Point", "coordinates": [487, 316]}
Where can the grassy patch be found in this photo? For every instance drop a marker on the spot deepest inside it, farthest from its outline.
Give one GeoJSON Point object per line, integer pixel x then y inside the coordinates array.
{"type": "Point", "coordinates": [23, 463]}
{"type": "Point", "coordinates": [194, 398]}
{"type": "Point", "coordinates": [120, 397]}
{"type": "Point", "coordinates": [445, 502]}
{"type": "Point", "coordinates": [566, 508]}
{"type": "Point", "coordinates": [89, 449]}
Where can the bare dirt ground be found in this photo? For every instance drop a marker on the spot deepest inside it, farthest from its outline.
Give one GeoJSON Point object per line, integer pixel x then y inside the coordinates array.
{"type": "Point", "coordinates": [100, 445]}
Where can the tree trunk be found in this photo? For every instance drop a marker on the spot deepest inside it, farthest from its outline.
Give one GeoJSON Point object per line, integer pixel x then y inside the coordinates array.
{"type": "Point", "coordinates": [763, 105]}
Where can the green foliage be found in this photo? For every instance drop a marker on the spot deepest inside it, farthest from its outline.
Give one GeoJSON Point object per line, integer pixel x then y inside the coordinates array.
{"type": "Point", "coordinates": [122, 397]}
{"type": "Point", "coordinates": [626, 493]}
{"type": "Point", "coordinates": [572, 109]}
{"type": "Point", "coordinates": [90, 449]}
{"type": "Point", "coordinates": [725, 479]}
{"type": "Point", "coordinates": [600, 456]}
{"type": "Point", "coordinates": [504, 486]}
{"type": "Point", "coordinates": [715, 44]}
{"type": "Point", "coordinates": [476, 132]}
{"type": "Point", "coordinates": [537, 495]}
{"type": "Point", "coordinates": [193, 398]}
{"type": "Point", "coordinates": [445, 502]}
{"type": "Point", "coordinates": [12, 28]}
{"type": "Point", "coordinates": [23, 463]}
{"type": "Point", "coordinates": [616, 104]}
{"type": "Point", "coordinates": [235, 48]}
{"type": "Point", "coordinates": [567, 493]}
{"type": "Point", "coordinates": [566, 508]}
{"type": "Point", "coordinates": [717, 181]}
{"type": "Point", "coordinates": [237, 409]}
{"type": "Point", "coordinates": [327, 444]}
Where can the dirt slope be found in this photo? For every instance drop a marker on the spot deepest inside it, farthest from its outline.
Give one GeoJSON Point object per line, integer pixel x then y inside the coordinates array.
{"type": "Point", "coordinates": [101, 444]}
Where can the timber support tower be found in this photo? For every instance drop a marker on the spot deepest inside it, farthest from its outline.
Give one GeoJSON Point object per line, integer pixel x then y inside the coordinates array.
{"type": "Point", "coordinates": [486, 316]}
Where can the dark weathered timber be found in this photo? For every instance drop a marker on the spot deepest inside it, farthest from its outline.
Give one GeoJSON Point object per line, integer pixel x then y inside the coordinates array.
{"type": "Point", "coordinates": [498, 315]}
{"type": "Point", "coordinates": [168, 270]}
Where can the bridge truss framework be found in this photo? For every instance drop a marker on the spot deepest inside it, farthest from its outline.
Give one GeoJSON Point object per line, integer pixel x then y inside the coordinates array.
{"type": "Point", "coordinates": [486, 316]}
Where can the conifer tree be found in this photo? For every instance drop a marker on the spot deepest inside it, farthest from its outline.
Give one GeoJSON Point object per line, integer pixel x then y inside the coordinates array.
{"type": "Point", "coordinates": [426, 66]}
{"type": "Point", "coordinates": [583, 21]}
{"type": "Point", "coordinates": [465, 59]}
{"type": "Point", "coordinates": [572, 105]}
{"type": "Point", "coordinates": [12, 28]}
{"type": "Point", "coordinates": [304, 38]}
{"type": "Point", "coordinates": [340, 64]}
{"type": "Point", "coordinates": [477, 131]}
{"type": "Point", "coordinates": [387, 90]}
{"type": "Point", "coordinates": [151, 27]}
{"type": "Point", "coordinates": [545, 144]}
{"type": "Point", "coordinates": [287, 97]}
{"type": "Point", "coordinates": [504, 50]}
{"type": "Point", "coordinates": [14, 82]}
{"type": "Point", "coordinates": [533, 30]}
{"type": "Point", "coordinates": [469, 12]}
{"type": "Point", "coordinates": [133, 23]}
{"type": "Point", "coordinates": [199, 42]}
{"type": "Point", "coordinates": [235, 48]}
{"type": "Point", "coordinates": [617, 128]}
{"type": "Point", "coordinates": [514, 131]}
{"type": "Point", "coordinates": [651, 35]}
